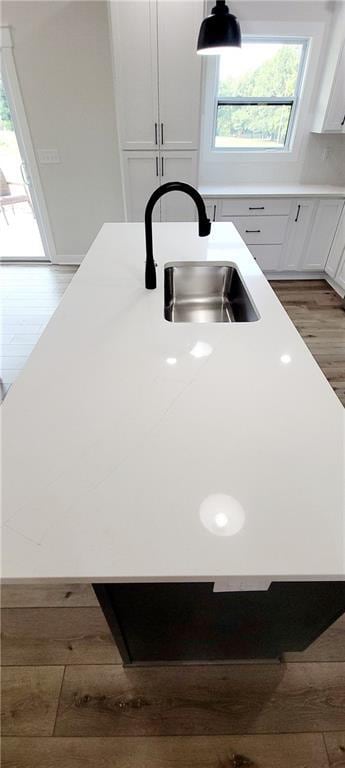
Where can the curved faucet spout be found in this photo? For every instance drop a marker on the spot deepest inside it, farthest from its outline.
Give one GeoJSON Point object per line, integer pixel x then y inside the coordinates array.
{"type": "Point", "coordinates": [204, 223]}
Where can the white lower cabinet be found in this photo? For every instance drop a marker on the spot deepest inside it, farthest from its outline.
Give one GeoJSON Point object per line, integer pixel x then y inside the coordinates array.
{"type": "Point", "coordinates": [299, 227]}
{"type": "Point", "coordinates": [322, 235]}
{"type": "Point", "coordinates": [141, 178]}
{"type": "Point", "coordinates": [252, 206]}
{"type": "Point", "coordinates": [284, 234]}
{"type": "Point", "coordinates": [211, 208]}
{"type": "Point", "coordinates": [340, 274]}
{"type": "Point", "coordinates": [261, 230]}
{"type": "Point", "coordinates": [267, 256]}
{"type": "Point", "coordinates": [178, 166]}
{"type": "Point", "coordinates": [338, 248]}
{"type": "Point", "coordinates": [145, 171]}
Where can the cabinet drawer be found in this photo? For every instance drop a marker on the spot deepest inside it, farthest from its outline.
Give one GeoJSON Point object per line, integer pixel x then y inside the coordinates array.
{"type": "Point", "coordinates": [254, 207]}
{"type": "Point", "coordinates": [261, 229]}
{"type": "Point", "coordinates": [267, 256]}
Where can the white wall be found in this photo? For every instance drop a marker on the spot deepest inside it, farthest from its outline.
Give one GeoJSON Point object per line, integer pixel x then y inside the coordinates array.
{"type": "Point", "coordinates": [63, 61]}
{"type": "Point", "coordinates": [320, 158]}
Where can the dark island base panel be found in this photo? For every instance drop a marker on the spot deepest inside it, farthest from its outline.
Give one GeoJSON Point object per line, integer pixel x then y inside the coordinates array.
{"type": "Point", "coordinates": [185, 622]}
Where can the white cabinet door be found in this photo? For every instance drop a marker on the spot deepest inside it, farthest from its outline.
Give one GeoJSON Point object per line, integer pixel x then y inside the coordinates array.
{"type": "Point", "coordinates": [178, 166]}
{"type": "Point", "coordinates": [134, 30]}
{"type": "Point", "coordinates": [302, 212]}
{"type": "Point", "coordinates": [340, 275]}
{"type": "Point", "coordinates": [179, 73]}
{"type": "Point", "coordinates": [337, 249]}
{"type": "Point", "coordinates": [141, 178]}
{"type": "Point", "coordinates": [335, 114]}
{"type": "Point", "coordinates": [322, 234]}
{"type": "Point", "coordinates": [268, 257]}
{"type": "Point", "coordinates": [211, 206]}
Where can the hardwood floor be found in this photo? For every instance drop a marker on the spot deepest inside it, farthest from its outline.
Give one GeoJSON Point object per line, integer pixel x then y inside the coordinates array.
{"type": "Point", "coordinates": [29, 295]}
{"type": "Point", "coordinates": [67, 700]}
{"type": "Point", "coordinates": [318, 314]}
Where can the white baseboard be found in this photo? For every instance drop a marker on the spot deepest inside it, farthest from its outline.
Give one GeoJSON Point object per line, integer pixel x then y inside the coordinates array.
{"type": "Point", "coordinates": [295, 275]}
{"type": "Point", "coordinates": [65, 260]}
{"type": "Point", "coordinates": [336, 287]}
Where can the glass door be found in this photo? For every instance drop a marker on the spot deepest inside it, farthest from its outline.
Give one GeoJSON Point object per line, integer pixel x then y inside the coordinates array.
{"type": "Point", "coordinates": [19, 233]}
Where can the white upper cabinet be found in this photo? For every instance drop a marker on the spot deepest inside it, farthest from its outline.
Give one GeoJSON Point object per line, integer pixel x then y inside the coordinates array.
{"type": "Point", "coordinates": [330, 111]}
{"type": "Point", "coordinates": [179, 69]}
{"type": "Point", "coordinates": [134, 30]}
{"type": "Point", "coordinates": [335, 114]}
{"type": "Point", "coordinates": [157, 73]}
{"type": "Point", "coordinates": [325, 225]}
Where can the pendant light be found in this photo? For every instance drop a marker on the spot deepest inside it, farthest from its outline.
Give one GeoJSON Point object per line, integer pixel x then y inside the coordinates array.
{"type": "Point", "coordinates": [219, 31]}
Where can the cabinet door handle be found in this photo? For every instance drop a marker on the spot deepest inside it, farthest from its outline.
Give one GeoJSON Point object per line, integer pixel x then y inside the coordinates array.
{"type": "Point", "coordinates": [253, 230]}
{"type": "Point", "coordinates": [162, 134]}
{"type": "Point", "coordinates": [214, 212]}
{"type": "Point", "coordinates": [298, 212]}
{"type": "Point", "coordinates": [343, 121]}
{"type": "Point", "coordinates": [256, 207]}
{"type": "Point", "coordinates": [156, 133]}
{"type": "Point", "coordinates": [162, 166]}
{"type": "Point", "coordinates": [157, 169]}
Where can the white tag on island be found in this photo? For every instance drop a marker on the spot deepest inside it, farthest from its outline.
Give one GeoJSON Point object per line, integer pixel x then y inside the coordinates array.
{"type": "Point", "coordinates": [224, 584]}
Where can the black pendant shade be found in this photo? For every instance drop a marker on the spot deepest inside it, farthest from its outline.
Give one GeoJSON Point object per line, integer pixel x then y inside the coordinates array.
{"type": "Point", "coordinates": [219, 31]}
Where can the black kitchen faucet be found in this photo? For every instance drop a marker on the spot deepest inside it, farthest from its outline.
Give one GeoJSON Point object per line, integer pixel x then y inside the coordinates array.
{"type": "Point", "coordinates": [204, 222]}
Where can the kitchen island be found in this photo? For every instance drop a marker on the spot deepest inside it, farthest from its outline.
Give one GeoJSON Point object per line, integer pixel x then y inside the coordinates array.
{"type": "Point", "coordinates": [194, 473]}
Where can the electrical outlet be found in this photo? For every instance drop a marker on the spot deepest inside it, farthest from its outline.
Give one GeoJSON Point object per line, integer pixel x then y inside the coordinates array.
{"type": "Point", "coordinates": [48, 156]}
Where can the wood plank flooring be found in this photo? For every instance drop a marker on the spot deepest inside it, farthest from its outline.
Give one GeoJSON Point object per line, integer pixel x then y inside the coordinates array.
{"type": "Point", "coordinates": [29, 295]}
{"type": "Point", "coordinates": [318, 314]}
{"type": "Point", "coordinates": [67, 700]}
{"type": "Point", "coordinates": [283, 751]}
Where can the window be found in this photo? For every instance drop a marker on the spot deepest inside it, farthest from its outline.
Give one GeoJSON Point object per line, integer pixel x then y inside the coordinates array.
{"type": "Point", "coordinates": [257, 92]}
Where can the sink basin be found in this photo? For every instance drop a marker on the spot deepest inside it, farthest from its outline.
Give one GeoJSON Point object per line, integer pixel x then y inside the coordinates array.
{"type": "Point", "coordinates": [200, 292]}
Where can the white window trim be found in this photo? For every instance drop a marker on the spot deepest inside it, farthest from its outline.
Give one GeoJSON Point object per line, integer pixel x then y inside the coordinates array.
{"type": "Point", "coordinates": [314, 34]}
{"type": "Point", "coordinates": [304, 42]}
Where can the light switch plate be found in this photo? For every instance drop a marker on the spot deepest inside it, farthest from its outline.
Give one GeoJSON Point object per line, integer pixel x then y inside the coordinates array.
{"type": "Point", "coordinates": [48, 156]}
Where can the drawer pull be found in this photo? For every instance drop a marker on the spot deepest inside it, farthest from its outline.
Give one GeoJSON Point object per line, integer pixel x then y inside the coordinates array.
{"type": "Point", "coordinates": [214, 212]}
{"type": "Point", "coordinates": [253, 230]}
{"type": "Point", "coordinates": [343, 121]}
{"type": "Point", "coordinates": [298, 212]}
{"type": "Point", "coordinates": [256, 207]}
{"type": "Point", "coordinates": [157, 171]}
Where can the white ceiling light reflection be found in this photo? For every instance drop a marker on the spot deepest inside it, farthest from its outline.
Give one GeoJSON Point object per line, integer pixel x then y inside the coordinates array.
{"type": "Point", "coordinates": [201, 349]}
{"type": "Point", "coordinates": [171, 360]}
{"type": "Point", "coordinates": [285, 359]}
{"type": "Point", "coordinates": [222, 514]}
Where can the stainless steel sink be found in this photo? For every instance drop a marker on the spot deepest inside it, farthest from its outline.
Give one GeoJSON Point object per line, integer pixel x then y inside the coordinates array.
{"type": "Point", "coordinates": [201, 292]}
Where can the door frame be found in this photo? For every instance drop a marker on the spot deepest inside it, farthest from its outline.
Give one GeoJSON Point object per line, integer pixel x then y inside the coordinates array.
{"type": "Point", "coordinates": [23, 136]}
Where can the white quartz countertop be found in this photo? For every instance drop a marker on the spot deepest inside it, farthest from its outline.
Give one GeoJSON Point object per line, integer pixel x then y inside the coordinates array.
{"type": "Point", "coordinates": [272, 190]}
{"type": "Point", "coordinates": [122, 424]}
